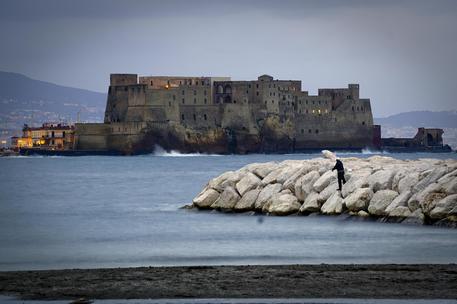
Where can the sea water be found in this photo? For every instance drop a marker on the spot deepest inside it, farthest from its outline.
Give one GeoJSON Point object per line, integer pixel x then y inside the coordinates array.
{"type": "Point", "coordinates": [99, 211]}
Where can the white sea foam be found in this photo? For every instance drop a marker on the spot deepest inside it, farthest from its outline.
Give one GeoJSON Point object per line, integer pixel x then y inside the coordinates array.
{"type": "Point", "coordinates": [159, 151]}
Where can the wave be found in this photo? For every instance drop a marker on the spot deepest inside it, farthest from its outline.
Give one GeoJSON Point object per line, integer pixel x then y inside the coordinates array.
{"type": "Point", "coordinates": [159, 151]}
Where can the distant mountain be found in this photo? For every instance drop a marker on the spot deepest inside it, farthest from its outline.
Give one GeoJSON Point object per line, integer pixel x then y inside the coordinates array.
{"type": "Point", "coordinates": [22, 88]}
{"type": "Point", "coordinates": [428, 119]}
{"type": "Point", "coordinates": [26, 100]}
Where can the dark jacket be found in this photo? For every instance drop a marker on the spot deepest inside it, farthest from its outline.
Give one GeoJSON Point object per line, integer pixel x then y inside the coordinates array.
{"type": "Point", "coordinates": [339, 166]}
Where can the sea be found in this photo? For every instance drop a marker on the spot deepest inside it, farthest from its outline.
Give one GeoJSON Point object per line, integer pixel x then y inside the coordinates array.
{"type": "Point", "coordinates": [101, 211]}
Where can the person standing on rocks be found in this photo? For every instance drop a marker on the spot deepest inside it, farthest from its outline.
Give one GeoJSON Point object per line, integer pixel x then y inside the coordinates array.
{"type": "Point", "coordinates": [340, 169]}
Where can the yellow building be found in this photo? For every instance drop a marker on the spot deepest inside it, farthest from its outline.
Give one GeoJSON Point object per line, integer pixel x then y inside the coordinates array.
{"type": "Point", "coordinates": [48, 136]}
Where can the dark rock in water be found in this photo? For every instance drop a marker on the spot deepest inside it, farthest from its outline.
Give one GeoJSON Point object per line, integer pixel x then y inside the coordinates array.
{"type": "Point", "coordinates": [391, 219]}
{"type": "Point", "coordinates": [449, 222]}
{"type": "Point", "coordinates": [190, 206]}
{"type": "Point", "coordinates": [82, 301]}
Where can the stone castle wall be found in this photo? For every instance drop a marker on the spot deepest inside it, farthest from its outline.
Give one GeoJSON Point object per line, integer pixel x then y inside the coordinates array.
{"type": "Point", "coordinates": [263, 115]}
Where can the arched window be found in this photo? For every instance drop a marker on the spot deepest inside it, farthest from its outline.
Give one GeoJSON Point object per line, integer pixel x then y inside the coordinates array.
{"type": "Point", "coordinates": [228, 89]}
{"type": "Point", "coordinates": [220, 89]}
{"type": "Point", "coordinates": [205, 117]}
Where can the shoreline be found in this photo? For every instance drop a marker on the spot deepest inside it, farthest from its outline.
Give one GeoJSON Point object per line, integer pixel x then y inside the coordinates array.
{"type": "Point", "coordinates": [377, 281]}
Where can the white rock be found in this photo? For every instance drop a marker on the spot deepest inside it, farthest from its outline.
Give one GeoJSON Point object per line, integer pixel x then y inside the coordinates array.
{"type": "Point", "coordinates": [288, 172]}
{"type": "Point", "coordinates": [380, 201]}
{"type": "Point", "coordinates": [227, 200]}
{"type": "Point", "coordinates": [311, 203]}
{"type": "Point", "coordinates": [400, 211]}
{"type": "Point", "coordinates": [363, 213]}
{"type": "Point", "coordinates": [328, 191]}
{"type": "Point", "coordinates": [291, 181]}
{"type": "Point", "coordinates": [359, 199]}
{"type": "Point", "coordinates": [323, 181]}
{"type": "Point", "coordinates": [247, 202]}
{"type": "Point", "coordinates": [248, 182]}
{"type": "Point", "coordinates": [334, 205]}
{"type": "Point", "coordinates": [206, 198]}
{"type": "Point", "coordinates": [432, 177]}
{"type": "Point", "coordinates": [381, 180]}
{"type": "Point", "coordinates": [284, 204]}
{"type": "Point", "coordinates": [356, 181]}
{"type": "Point", "coordinates": [400, 201]}
{"type": "Point", "coordinates": [271, 177]}
{"type": "Point", "coordinates": [408, 181]}
{"type": "Point", "coordinates": [266, 193]}
{"type": "Point", "coordinates": [304, 185]}
{"type": "Point", "coordinates": [444, 207]}
{"type": "Point", "coordinates": [261, 169]}
{"type": "Point", "coordinates": [424, 197]}
{"type": "Point", "coordinates": [329, 155]}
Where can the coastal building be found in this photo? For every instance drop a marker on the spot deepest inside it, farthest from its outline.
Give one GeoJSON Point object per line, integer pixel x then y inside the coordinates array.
{"type": "Point", "coordinates": [218, 115]}
{"type": "Point", "coordinates": [49, 136]}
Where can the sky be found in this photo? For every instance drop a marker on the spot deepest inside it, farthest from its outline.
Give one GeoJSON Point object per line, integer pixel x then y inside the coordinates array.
{"type": "Point", "coordinates": [402, 53]}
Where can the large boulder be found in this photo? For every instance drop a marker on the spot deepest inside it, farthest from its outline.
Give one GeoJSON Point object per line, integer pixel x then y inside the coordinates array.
{"type": "Point", "coordinates": [304, 185]}
{"type": "Point", "coordinates": [426, 197]}
{"type": "Point", "coordinates": [248, 182]}
{"type": "Point", "coordinates": [247, 202]}
{"type": "Point", "coordinates": [227, 179]}
{"type": "Point", "coordinates": [328, 191]}
{"type": "Point", "coordinates": [291, 181]}
{"type": "Point", "coordinates": [400, 201]}
{"type": "Point", "coordinates": [359, 199]}
{"type": "Point", "coordinates": [311, 203]}
{"type": "Point", "coordinates": [271, 177]}
{"type": "Point", "coordinates": [400, 211]}
{"type": "Point", "coordinates": [381, 180]}
{"type": "Point", "coordinates": [430, 178]}
{"type": "Point", "coordinates": [323, 181]}
{"type": "Point", "coordinates": [334, 205]}
{"type": "Point", "coordinates": [266, 193]}
{"type": "Point", "coordinates": [380, 201]}
{"type": "Point", "coordinates": [261, 169]}
{"type": "Point", "coordinates": [444, 207]}
{"type": "Point", "coordinates": [227, 200]}
{"type": "Point", "coordinates": [356, 181]}
{"type": "Point", "coordinates": [408, 181]}
{"type": "Point", "coordinates": [206, 198]}
{"type": "Point", "coordinates": [284, 204]}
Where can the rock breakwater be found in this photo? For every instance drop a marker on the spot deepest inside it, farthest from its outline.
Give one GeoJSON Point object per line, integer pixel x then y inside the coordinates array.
{"type": "Point", "coordinates": [422, 191]}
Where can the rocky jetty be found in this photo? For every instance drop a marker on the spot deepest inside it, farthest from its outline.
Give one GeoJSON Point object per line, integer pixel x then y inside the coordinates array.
{"type": "Point", "coordinates": [422, 191]}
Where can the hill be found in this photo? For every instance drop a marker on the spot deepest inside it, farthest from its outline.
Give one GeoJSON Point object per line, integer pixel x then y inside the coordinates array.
{"type": "Point", "coordinates": [428, 119]}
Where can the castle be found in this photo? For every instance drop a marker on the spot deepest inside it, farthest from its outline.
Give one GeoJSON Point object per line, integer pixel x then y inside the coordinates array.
{"type": "Point", "coordinates": [218, 115]}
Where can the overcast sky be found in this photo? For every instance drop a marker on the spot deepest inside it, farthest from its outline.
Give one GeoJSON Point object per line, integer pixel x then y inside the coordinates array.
{"type": "Point", "coordinates": [403, 53]}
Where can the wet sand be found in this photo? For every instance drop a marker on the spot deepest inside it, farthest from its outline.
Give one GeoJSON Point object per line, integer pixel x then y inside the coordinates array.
{"type": "Point", "coordinates": [285, 281]}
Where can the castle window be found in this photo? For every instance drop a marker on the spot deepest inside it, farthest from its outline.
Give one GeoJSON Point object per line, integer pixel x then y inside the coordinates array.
{"type": "Point", "coordinates": [204, 117]}
{"type": "Point", "coordinates": [274, 93]}
{"type": "Point", "coordinates": [169, 104]}
{"type": "Point", "coordinates": [269, 85]}
{"type": "Point", "coordinates": [352, 108]}
{"type": "Point", "coordinates": [319, 102]}
{"type": "Point", "coordinates": [183, 101]}
{"type": "Point", "coordinates": [302, 131]}
{"type": "Point", "coordinates": [299, 111]}
{"type": "Point", "coordinates": [152, 83]}
{"type": "Point", "coordinates": [317, 131]}
{"type": "Point", "coordinates": [247, 91]}
{"type": "Point", "coordinates": [307, 102]}
{"type": "Point", "coordinates": [195, 92]}
{"type": "Point", "coordinates": [125, 89]}
{"type": "Point", "coordinates": [220, 89]}
{"type": "Point", "coordinates": [174, 97]}
{"type": "Point", "coordinates": [299, 101]}
{"type": "Point", "coordinates": [309, 131]}
{"type": "Point", "coordinates": [196, 82]}
{"type": "Point", "coordinates": [234, 101]}
{"type": "Point", "coordinates": [182, 93]}
{"type": "Point", "coordinates": [273, 101]}
{"type": "Point", "coordinates": [313, 101]}
{"type": "Point", "coordinates": [249, 86]}
{"type": "Point", "coordinates": [348, 97]}
{"type": "Point", "coordinates": [265, 102]}
{"type": "Point", "coordinates": [257, 85]}
{"type": "Point", "coordinates": [357, 108]}
{"type": "Point", "coordinates": [363, 123]}
{"type": "Point", "coordinates": [180, 82]}
{"type": "Point", "coordinates": [306, 111]}
{"type": "Point", "coordinates": [204, 92]}
{"type": "Point", "coordinates": [195, 100]}
{"type": "Point", "coordinates": [205, 100]}
{"type": "Point", "coordinates": [257, 93]}
{"type": "Point", "coordinates": [182, 116]}
{"type": "Point", "coordinates": [195, 117]}
{"type": "Point", "coordinates": [270, 93]}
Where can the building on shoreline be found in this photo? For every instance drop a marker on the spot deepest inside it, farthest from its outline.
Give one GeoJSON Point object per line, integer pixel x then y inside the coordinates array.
{"type": "Point", "coordinates": [50, 136]}
{"type": "Point", "coordinates": [218, 115]}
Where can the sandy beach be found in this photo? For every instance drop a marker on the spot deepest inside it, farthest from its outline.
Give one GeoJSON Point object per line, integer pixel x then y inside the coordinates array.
{"type": "Point", "coordinates": [283, 281]}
